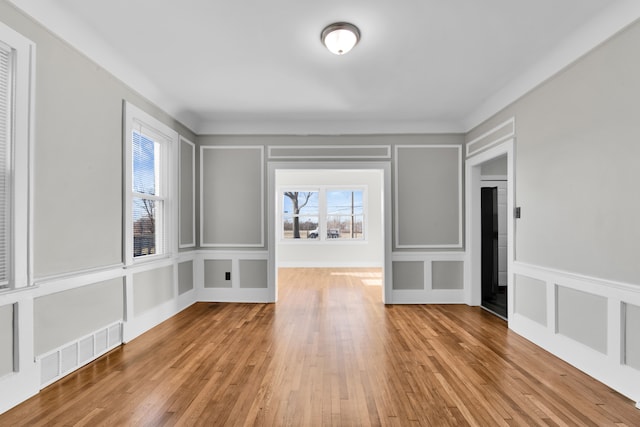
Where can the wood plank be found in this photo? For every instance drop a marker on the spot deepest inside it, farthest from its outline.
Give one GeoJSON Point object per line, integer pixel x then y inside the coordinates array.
{"type": "Point", "coordinates": [328, 353]}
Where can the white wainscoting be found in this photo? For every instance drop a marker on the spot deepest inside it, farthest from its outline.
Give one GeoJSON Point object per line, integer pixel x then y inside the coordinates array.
{"type": "Point", "coordinates": [234, 292]}
{"type": "Point", "coordinates": [33, 372]}
{"type": "Point", "coordinates": [608, 367]}
{"type": "Point", "coordinates": [428, 294]}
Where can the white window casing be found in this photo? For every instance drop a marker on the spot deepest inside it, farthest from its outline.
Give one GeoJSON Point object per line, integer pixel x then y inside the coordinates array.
{"type": "Point", "coordinates": [17, 84]}
{"type": "Point", "coordinates": [162, 195]}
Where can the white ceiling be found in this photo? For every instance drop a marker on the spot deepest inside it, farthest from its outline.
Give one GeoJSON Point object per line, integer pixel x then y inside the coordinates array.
{"type": "Point", "coordinates": [256, 66]}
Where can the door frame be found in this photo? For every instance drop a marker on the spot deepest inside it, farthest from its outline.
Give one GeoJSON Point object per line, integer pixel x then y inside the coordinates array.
{"type": "Point", "coordinates": [473, 226]}
{"type": "Point", "coordinates": [384, 167]}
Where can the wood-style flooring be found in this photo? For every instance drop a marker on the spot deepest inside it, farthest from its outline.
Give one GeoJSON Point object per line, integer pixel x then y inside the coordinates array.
{"type": "Point", "coordinates": [328, 353]}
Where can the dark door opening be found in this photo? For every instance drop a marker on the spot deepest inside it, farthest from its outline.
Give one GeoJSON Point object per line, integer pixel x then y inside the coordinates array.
{"type": "Point", "coordinates": [494, 297]}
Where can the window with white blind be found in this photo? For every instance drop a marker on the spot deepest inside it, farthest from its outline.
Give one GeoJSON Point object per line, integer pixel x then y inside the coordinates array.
{"type": "Point", "coordinates": [150, 157]}
{"type": "Point", "coordinates": [6, 107]}
{"type": "Point", "coordinates": [16, 81]}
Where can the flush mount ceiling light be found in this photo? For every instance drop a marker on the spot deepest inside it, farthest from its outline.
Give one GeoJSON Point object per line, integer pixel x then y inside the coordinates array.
{"type": "Point", "coordinates": [340, 37]}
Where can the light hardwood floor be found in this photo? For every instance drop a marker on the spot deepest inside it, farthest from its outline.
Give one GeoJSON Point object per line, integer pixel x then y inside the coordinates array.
{"type": "Point", "coordinates": [328, 353]}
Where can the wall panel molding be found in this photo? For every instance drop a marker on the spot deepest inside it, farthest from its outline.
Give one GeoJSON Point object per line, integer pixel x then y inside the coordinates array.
{"type": "Point", "coordinates": [609, 366]}
{"type": "Point", "coordinates": [429, 293]}
{"type": "Point", "coordinates": [494, 136]}
{"type": "Point", "coordinates": [422, 176]}
{"type": "Point", "coordinates": [235, 292]}
{"type": "Point", "coordinates": [227, 196]}
{"type": "Point", "coordinates": [187, 185]}
{"type": "Point", "coordinates": [316, 152]}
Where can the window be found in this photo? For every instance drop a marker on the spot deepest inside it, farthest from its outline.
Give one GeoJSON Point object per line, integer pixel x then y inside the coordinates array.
{"type": "Point", "coordinates": [16, 102]}
{"type": "Point", "coordinates": [321, 214]}
{"type": "Point", "coordinates": [345, 214]}
{"type": "Point", "coordinates": [150, 170]}
{"type": "Point", "coordinates": [301, 214]}
{"type": "Point", "coordinates": [6, 108]}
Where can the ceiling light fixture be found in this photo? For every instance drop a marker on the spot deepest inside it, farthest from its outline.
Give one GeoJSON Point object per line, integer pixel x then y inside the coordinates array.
{"type": "Point", "coordinates": [340, 37]}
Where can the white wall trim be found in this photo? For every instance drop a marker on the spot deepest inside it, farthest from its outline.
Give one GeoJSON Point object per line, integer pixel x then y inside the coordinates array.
{"type": "Point", "coordinates": [192, 243]}
{"type": "Point", "coordinates": [24, 382]}
{"type": "Point", "coordinates": [141, 121]}
{"type": "Point", "coordinates": [204, 244]}
{"type": "Point", "coordinates": [234, 293]}
{"type": "Point", "coordinates": [396, 208]}
{"type": "Point", "coordinates": [473, 181]}
{"type": "Point", "coordinates": [67, 281]}
{"type": "Point", "coordinates": [428, 295]}
{"type": "Point", "coordinates": [578, 281]}
{"type": "Point", "coordinates": [608, 367]}
{"type": "Point", "coordinates": [20, 142]}
{"type": "Point", "coordinates": [509, 124]}
{"type": "Point", "coordinates": [65, 26]}
{"type": "Point", "coordinates": [384, 166]}
{"type": "Point", "coordinates": [333, 152]}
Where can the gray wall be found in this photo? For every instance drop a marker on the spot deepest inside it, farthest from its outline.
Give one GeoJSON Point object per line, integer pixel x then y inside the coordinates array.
{"type": "Point", "coordinates": [576, 165]}
{"type": "Point", "coordinates": [215, 273]}
{"type": "Point", "coordinates": [232, 187]}
{"type": "Point", "coordinates": [78, 153]}
{"type": "Point", "coordinates": [408, 275]}
{"type": "Point", "coordinates": [428, 196]}
{"type": "Point", "coordinates": [6, 339]}
{"type": "Point", "coordinates": [152, 288]}
{"type": "Point", "coordinates": [495, 167]}
{"type": "Point", "coordinates": [447, 275]}
{"type": "Point", "coordinates": [253, 273]}
{"type": "Point", "coordinates": [65, 316]}
{"type": "Point", "coordinates": [185, 277]}
{"type": "Point", "coordinates": [433, 166]}
{"type": "Point", "coordinates": [632, 335]}
{"type": "Point", "coordinates": [531, 298]}
{"type": "Point", "coordinates": [582, 317]}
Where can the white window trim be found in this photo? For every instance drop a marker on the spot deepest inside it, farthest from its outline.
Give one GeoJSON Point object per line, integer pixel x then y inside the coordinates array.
{"type": "Point", "coordinates": [137, 119]}
{"type": "Point", "coordinates": [21, 169]}
{"type": "Point", "coordinates": [322, 213]}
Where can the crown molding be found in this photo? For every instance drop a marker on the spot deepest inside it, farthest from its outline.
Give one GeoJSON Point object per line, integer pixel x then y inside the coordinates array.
{"type": "Point", "coordinates": [81, 37]}
{"type": "Point", "coordinates": [586, 38]}
{"type": "Point", "coordinates": [326, 127]}
{"type": "Point", "coordinates": [619, 15]}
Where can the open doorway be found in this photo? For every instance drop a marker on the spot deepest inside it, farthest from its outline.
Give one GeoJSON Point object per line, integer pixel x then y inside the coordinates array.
{"type": "Point", "coordinates": [490, 229]}
{"type": "Point", "coordinates": [493, 222]}
{"type": "Point", "coordinates": [349, 235]}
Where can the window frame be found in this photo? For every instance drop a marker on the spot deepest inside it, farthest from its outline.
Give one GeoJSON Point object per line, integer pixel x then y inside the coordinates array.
{"type": "Point", "coordinates": [137, 120]}
{"type": "Point", "coordinates": [323, 213]}
{"type": "Point", "coordinates": [292, 215]}
{"type": "Point", "coordinates": [19, 168]}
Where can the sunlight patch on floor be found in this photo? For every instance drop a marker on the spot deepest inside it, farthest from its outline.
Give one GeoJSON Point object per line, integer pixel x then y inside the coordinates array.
{"type": "Point", "coordinates": [368, 278]}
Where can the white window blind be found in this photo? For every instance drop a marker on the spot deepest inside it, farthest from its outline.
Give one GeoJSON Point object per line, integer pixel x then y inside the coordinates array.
{"type": "Point", "coordinates": [6, 107]}
{"type": "Point", "coordinates": [147, 192]}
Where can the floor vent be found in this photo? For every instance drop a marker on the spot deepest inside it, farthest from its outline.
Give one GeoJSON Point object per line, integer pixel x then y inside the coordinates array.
{"type": "Point", "coordinates": [71, 356]}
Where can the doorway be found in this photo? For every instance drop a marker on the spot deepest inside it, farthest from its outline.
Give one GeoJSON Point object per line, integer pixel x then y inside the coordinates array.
{"type": "Point", "coordinates": [490, 229]}
{"type": "Point", "coordinates": [279, 249]}
{"type": "Point", "coordinates": [494, 238]}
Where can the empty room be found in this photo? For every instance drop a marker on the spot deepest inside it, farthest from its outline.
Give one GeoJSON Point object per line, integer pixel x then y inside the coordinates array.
{"type": "Point", "coordinates": [332, 213]}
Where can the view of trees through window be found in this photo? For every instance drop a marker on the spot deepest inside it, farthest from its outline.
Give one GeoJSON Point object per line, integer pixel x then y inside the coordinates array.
{"type": "Point", "coordinates": [341, 214]}
{"type": "Point", "coordinates": [146, 189]}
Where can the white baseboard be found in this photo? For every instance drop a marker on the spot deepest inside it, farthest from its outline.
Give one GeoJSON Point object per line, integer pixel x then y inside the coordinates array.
{"type": "Point", "coordinates": [140, 324]}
